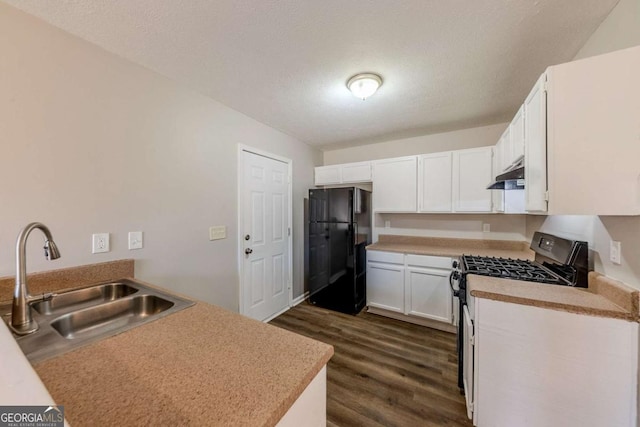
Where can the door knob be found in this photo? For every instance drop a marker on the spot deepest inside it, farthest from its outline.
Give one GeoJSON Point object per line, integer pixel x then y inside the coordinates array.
{"type": "Point", "coordinates": [248, 251]}
{"type": "Point", "coordinates": [247, 237]}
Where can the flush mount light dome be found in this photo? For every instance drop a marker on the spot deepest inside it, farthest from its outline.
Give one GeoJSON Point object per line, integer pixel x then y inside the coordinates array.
{"type": "Point", "coordinates": [364, 85]}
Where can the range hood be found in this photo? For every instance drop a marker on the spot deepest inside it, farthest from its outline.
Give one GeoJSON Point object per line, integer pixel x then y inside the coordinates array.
{"type": "Point", "coordinates": [511, 179]}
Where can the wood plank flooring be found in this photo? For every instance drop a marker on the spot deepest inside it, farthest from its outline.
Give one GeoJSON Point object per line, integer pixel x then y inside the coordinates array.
{"type": "Point", "coordinates": [384, 372]}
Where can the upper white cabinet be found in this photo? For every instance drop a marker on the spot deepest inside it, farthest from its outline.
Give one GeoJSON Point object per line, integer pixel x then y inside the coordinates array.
{"type": "Point", "coordinates": [395, 184]}
{"type": "Point", "coordinates": [593, 135]}
{"type": "Point", "coordinates": [535, 135]}
{"type": "Point", "coordinates": [328, 175]}
{"type": "Point", "coordinates": [435, 179]}
{"type": "Point", "coordinates": [516, 133]}
{"type": "Point", "coordinates": [347, 173]}
{"type": "Point", "coordinates": [472, 172]}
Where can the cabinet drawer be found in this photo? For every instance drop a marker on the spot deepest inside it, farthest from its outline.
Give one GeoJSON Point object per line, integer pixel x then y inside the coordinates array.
{"type": "Point", "coordinates": [429, 261]}
{"type": "Point", "coordinates": [388, 257]}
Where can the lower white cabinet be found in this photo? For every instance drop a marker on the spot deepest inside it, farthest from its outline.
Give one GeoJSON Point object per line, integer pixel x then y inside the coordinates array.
{"type": "Point", "coordinates": [541, 367]}
{"type": "Point", "coordinates": [413, 285]}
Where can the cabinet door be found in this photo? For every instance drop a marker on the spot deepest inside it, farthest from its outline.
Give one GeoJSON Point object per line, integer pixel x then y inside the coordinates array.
{"type": "Point", "coordinates": [435, 182]}
{"type": "Point", "coordinates": [535, 134]}
{"type": "Point", "coordinates": [429, 293]}
{"type": "Point", "coordinates": [505, 150]}
{"type": "Point", "coordinates": [395, 185]}
{"type": "Point", "coordinates": [327, 175]}
{"type": "Point", "coordinates": [548, 367]}
{"type": "Point", "coordinates": [497, 196]}
{"type": "Point", "coordinates": [471, 175]}
{"type": "Point", "coordinates": [356, 172]}
{"type": "Point", "coordinates": [516, 131]}
{"type": "Point", "coordinates": [385, 286]}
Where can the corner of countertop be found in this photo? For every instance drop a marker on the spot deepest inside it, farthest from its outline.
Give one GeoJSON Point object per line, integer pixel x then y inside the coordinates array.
{"type": "Point", "coordinates": [617, 292]}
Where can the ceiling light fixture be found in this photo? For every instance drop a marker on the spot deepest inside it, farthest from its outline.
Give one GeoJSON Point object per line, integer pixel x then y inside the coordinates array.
{"type": "Point", "coordinates": [364, 85]}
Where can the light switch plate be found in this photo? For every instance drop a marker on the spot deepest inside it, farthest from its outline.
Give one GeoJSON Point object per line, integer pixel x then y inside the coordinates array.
{"type": "Point", "coordinates": [218, 232]}
{"type": "Point", "coordinates": [100, 243]}
{"type": "Point", "coordinates": [615, 252]}
{"type": "Point", "coordinates": [135, 240]}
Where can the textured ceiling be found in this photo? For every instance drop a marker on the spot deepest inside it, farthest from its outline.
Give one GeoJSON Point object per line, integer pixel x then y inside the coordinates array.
{"type": "Point", "coordinates": [446, 64]}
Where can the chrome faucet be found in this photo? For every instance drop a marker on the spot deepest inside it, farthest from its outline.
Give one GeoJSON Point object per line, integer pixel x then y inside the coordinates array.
{"type": "Point", "coordinates": [22, 322]}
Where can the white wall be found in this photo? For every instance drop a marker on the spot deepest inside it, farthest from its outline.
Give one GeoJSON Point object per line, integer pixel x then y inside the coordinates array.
{"type": "Point", "coordinates": [620, 30]}
{"type": "Point", "coordinates": [434, 143]}
{"type": "Point", "coordinates": [467, 226]}
{"type": "Point", "coordinates": [94, 143]}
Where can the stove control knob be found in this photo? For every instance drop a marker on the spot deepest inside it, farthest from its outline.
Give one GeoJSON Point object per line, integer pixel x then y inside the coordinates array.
{"type": "Point", "coordinates": [455, 275]}
{"type": "Point", "coordinates": [455, 264]}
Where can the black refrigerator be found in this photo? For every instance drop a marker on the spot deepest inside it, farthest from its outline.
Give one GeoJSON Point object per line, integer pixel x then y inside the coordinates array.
{"type": "Point", "coordinates": [339, 229]}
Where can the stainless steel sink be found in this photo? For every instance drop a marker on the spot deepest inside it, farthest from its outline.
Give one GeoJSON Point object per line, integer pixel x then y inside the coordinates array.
{"type": "Point", "coordinates": [81, 317]}
{"type": "Point", "coordinates": [84, 298]}
{"type": "Point", "coordinates": [111, 316]}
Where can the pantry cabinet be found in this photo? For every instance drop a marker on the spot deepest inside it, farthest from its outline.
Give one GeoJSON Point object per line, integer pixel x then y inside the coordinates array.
{"type": "Point", "coordinates": [416, 286]}
{"type": "Point", "coordinates": [472, 172]}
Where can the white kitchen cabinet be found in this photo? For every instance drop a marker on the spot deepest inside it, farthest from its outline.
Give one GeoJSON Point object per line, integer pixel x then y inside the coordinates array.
{"type": "Point", "coordinates": [535, 166]}
{"type": "Point", "coordinates": [497, 196]}
{"type": "Point", "coordinates": [516, 135]}
{"type": "Point", "coordinates": [435, 179]}
{"type": "Point", "coordinates": [541, 367]}
{"type": "Point", "coordinates": [505, 150]}
{"type": "Point", "coordinates": [582, 137]}
{"type": "Point", "coordinates": [472, 172]}
{"type": "Point", "coordinates": [346, 173]}
{"type": "Point", "coordinates": [395, 184]}
{"type": "Point", "coordinates": [326, 175]}
{"type": "Point", "coordinates": [416, 287]}
{"type": "Point", "coordinates": [356, 172]}
{"type": "Point", "coordinates": [385, 281]}
{"type": "Point", "coordinates": [428, 292]}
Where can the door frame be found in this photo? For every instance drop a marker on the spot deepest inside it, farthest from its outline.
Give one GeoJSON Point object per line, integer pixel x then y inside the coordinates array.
{"type": "Point", "coordinates": [242, 148]}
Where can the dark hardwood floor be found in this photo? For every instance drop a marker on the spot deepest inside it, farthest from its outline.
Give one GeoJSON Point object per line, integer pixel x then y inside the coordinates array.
{"type": "Point", "coordinates": [384, 372]}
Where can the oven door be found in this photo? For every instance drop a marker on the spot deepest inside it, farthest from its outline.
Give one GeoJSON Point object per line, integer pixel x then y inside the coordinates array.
{"type": "Point", "coordinates": [467, 354]}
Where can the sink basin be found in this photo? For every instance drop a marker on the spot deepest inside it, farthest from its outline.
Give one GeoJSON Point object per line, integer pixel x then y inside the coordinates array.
{"type": "Point", "coordinates": [80, 317]}
{"type": "Point", "coordinates": [84, 298]}
{"type": "Point", "coordinates": [110, 316]}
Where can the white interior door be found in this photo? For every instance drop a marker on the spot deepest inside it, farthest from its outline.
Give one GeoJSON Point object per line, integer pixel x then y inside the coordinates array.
{"type": "Point", "coordinates": [265, 231]}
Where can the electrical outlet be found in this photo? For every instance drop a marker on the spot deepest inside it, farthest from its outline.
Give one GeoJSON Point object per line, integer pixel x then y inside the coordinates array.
{"type": "Point", "coordinates": [100, 243]}
{"type": "Point", "coordinates": [217, 232]}
{"type": "Point", "coordinates": [135, 240]}
{"type": "Point", "coordinates": [387, 223]}
{"type": "Point", "coordinates": [486, 228]}
{"type": "Point", "coordinates": [615, 252]}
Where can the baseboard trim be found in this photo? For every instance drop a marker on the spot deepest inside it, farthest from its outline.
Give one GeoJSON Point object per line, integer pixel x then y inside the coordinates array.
{"type": "Point", "coordinates": [412, 319]}
{"type": "Point", "coordinates": [273, 316]}
{"type": "Point", "coordinates": [299, 299]}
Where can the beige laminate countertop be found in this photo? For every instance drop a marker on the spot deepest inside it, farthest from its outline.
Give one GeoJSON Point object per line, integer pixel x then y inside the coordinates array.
{"type": "Point", "coordinates": [452, 247]}
{"type": "Point", "coordinates": [564, 298]}
{"type": "Point", "coordinates": [203, 365]}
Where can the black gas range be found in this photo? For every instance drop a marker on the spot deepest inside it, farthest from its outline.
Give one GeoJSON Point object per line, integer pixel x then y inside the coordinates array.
{"type": "Point", "coordinates": [558, 261]}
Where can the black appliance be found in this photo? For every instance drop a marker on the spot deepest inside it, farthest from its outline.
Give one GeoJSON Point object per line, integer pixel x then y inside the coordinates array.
{"type": "Point", "coordinates": [339, 229]}
{"type": "Point", "coordinates": [558, 261]}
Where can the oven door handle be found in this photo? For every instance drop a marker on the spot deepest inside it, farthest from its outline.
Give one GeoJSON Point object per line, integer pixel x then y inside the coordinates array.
{"type": "Point", "coordinates": [455, 275]}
